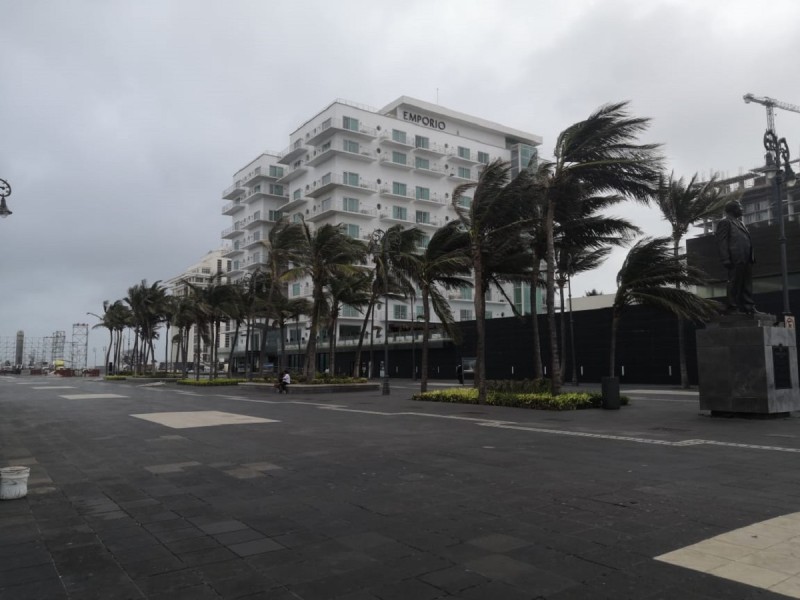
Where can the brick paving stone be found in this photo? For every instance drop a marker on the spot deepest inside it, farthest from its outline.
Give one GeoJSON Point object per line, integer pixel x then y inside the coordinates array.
{"type": "Point", "coordinates": [172, 580]}
{"type": "Point", "coordinates": [252, 547]}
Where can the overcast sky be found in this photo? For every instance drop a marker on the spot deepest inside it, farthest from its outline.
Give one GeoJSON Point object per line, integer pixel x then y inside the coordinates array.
{"type": "Point", "coordinates": [121, 122]}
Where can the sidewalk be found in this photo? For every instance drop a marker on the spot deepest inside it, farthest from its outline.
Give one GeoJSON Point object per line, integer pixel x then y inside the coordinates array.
{"type": "Point", "coordinates": [363, 497]}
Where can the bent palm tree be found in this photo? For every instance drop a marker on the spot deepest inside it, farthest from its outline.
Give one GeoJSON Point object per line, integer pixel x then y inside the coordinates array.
{"type": "Point", "coordinates": [682, 205]}
{"type": "Point", "coordinates": [594, 157]}
{"type": "Point", "coordinates": [653, 276]}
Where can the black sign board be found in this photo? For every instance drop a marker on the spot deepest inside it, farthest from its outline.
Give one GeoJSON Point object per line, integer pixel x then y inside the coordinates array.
{"type": "Point", "coordinates": [780, 367]}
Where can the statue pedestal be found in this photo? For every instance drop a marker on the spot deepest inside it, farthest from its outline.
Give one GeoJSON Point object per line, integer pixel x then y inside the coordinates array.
{"type": "Point", "coordinates": [747, 367]}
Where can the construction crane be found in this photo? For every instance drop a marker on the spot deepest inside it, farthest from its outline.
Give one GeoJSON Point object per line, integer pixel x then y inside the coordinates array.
{"type": "Point", "coordinates": [770, 104]}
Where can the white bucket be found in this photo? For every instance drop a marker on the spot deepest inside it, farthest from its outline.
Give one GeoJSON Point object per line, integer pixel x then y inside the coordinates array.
{"type": "Point", "coordinates": [14, 482]}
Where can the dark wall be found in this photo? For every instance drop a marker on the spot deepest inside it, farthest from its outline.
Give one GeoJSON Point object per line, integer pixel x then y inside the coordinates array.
{"type": "Point", "coordinates": [647, 347]}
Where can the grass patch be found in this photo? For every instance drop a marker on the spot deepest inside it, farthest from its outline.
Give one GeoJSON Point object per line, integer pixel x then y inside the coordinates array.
{"type": "Point", "coordinates": [208, 382]}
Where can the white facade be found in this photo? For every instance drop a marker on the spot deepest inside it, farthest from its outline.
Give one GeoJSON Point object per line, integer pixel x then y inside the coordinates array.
{"type": "Point", "coordinates": [212, 268]}
{"type": "Point", "coordinates": [370, 169]}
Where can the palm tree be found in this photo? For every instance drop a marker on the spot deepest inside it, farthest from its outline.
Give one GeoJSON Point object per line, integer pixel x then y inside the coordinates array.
{"type": "Point", "coordinates": [353, 290]}
{"type": "Point", "coordinates": [494, 223]}
{"type": "Point", "coordinates": [594, 157]}
{"type": "Point", "coordinates": [389, 278]}
{"type": "Point", "coordinates": [652, 275]}
{"type": "Point", "coordinates": [683, 204]}
{"type": "Point", "coordinates": [115, 318]}
{"type": "Point", "coordinates": [442, 264]}
{"type": "Point", "coordinates": [324, 253]}
{"type": "Point", "coordinates": [146, 303]}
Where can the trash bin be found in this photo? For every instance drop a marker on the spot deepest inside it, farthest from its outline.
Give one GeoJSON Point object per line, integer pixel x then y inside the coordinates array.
{"type": "Point", "coordinates": [610, 388]}
{"type": "Point", "coordinates": [14, 482]}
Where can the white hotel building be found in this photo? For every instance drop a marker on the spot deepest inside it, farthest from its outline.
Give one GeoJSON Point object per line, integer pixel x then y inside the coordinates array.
{"type": "Point", "coordinates": [370, 169]}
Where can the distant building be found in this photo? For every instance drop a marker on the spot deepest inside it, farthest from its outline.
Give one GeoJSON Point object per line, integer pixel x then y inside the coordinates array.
{"type": "Point", "coordinates": [212, 268]}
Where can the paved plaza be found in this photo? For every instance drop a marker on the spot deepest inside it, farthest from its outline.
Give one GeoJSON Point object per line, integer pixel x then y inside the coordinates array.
{"type": "Point", "coordinates": [160, 491]}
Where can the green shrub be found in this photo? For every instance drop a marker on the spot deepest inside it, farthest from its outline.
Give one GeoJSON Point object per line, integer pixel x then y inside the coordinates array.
{"type": "Point", "coordinates": [541, 401]}
{"type": "Point", "coordinates": [519, 386]}
{"type": "Point", "coordinates": [115, 377]}
{"type": "Point", "coordinates": [208, 382]}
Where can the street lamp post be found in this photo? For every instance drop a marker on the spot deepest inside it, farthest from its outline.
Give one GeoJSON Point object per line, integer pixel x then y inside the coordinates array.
{"type": "Point", "coordinates": [5, 192]}
{"type": "Point", "coordinates": [779, 169]}
{"type": "Point", "coordinates": [379, 237]}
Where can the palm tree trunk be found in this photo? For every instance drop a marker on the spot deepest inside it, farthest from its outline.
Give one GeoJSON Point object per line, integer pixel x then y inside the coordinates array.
{"type": "Point", "coordinates": [537, 347]}
{"type": "Point", "coordinates": [563, 327]}
{"type": "Point", "coordinates": [681, 333]}
{"type": "Point", "coordinates": [555, 375]}
{"type": "Point", "coordinates": [332, 344]}
{"type": "Point", "coordinates": [480, 328]}
{"type": "Point", "coordinates": [311, 348]}
{"type": "Point", "coordinates": [357, 368]}
{"type": "Point", "coordinates": [426, 329]}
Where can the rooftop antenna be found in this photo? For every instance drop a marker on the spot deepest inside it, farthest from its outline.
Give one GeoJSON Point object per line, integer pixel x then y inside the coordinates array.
{"type": "Point", "coordinates": [437, 95]}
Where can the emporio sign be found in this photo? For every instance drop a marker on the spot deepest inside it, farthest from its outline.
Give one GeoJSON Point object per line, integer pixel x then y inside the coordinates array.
{"type": "Point", "coordinates": [424, 120]}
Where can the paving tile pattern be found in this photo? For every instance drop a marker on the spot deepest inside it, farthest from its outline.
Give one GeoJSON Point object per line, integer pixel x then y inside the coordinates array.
{"type": "Point", "coordinates": [389, 503]}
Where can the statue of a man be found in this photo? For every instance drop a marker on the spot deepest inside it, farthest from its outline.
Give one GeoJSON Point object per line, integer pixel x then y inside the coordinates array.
{"type": "Point", "coordinates": [736, 253]}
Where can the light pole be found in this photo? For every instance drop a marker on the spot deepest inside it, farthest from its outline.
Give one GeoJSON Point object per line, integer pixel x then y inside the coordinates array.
{"type": "Point", "coordinates": [379, 237]}
{"type": "Point", "coordinates": [5, 192]}
{"type": "Point", "coordinates": [779, 170]}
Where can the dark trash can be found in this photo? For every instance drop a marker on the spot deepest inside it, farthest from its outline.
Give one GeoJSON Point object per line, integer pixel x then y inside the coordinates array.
{"type": "Point", "coordinates": [610, 389]}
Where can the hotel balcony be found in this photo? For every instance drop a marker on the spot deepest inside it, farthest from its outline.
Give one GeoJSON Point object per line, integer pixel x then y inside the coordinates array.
{"type": "Point", "coordinates": [253, 241]}
{"type": "Point", "coordinates": [469, 159]}
{"type": "Point", "coordinates": [433, 170]}
{"type": "Point", "coordinates": [292, 153]}
{"type": "Point", "coordinates": [269, 192]}
{"type": "Point", "coordinates": [320, 156]}
{"type": "Point", "coordinates": [257, 219]}
{"type": "Point", "coordinates": [362, 213]}
{"type": "Point", "coordinates": [388, 192]}
{"type": "Point", "coordinates": [332, 180]}
{"type": "Point", "coordinates": [433, 223]}
{"type": "Point", "coordinates": [234, 250]}
{"type": "Point", "coordinates": [232, 207]}
{"type": "Point", "coordinates": [459, 178]}
{"type": "Point", "coordinates": [388, 138]}
{"type": "Point", "coordinates": [387, 161]}
{"type": "Point", "coordinates": [293, 171]}
{"type": "Point", "coordinates": [335, 125]}
{"type": "Point", "coordinates": [256, 175]}
{"type": "Point", "coordinates": [431, 149]}
{"type": "Point", "coordinates": [233, 191]}
{"type": "Point", "coordinates": [293, 204]}
{"type": "Point", "coordinates": [396, 219]}
{"type": "Point", "coordinates": [436, 199]}
{"type": "Point", "coordinates": [233, 231]}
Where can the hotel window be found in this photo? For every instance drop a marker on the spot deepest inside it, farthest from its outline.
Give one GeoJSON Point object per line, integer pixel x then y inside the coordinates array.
{"type": "Point", "coordinates": [420, 310]}
{"type": "Point", "coordinates": [297, 218]}
{"type": "Point", "coordinates": [326, 179]}
{"type": "Point", "coordinates": [295, 289]}
{"type": "Point", "coordinates": [350, 123]}
{"type": "Point", "coordinates": [256, 189]}
{"type": "Point", "coordinates": [352, 230]}
{"type": "Point", "coordinates": [483, 157]}
{"type": "Point", "coordinates": [350, 204]}
{"type": "Point", "coordinates": [465, 201]}
{"type": "Point", "coordinates": [276, 190]}
{"type": "Point", "coordinates": [421, 142]}
{"type": "Point", "coordinates": [488, 314]}
{"type": "Point", "coordinates": [423, 193]}
{"type": "Point", "coordinates": [325, 205]}
{"type": "Point", "coordinates": [326, 146]}
{"type": "Point", "coordinates": [296, 194]}
{"type": "Point", "coordinates": [206, 270]}
{"type": "Point", "coordinates": [349, 311]}
{"type": "Point", "coordinates": [399, 189]}
{"type": "Point", "coordinates": [423, 217]}
{"type": "Point", "coordinates": [422, 163]}
{"type": "Point", "coordinates": [463, 152]}
{"type": "Point", "coordinates": [350, 146]}
{"type": "Point", "coordinates": [275, 171]}
{"type": "Point", "coordinates": [274, 215]}
{"type": "Point", "coordinates": [465, 314]}
{"type": "Point", "coordinates": [465, 293]}
{"type": "Point", "coordinates": [464, 173]}
{"type": "Point", "coordinates": [399, 158]}
{"type": "Point", "coordinates": [400, 311]}
{"type": "Point", "coordinates": [350, 178]}
{"type": "Point", "coordinates": [400, 213]}
{"type": "Point", "coordinates": [424, 241]}
{"type": "Point", "coordinates": [399, 136]}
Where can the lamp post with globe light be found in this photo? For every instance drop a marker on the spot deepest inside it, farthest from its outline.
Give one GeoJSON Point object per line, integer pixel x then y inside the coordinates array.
{"type": "Point", "coordinates": [379, 238]}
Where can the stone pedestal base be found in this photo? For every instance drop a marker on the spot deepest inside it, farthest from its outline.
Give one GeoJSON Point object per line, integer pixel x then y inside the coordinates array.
{"type": "Point", "coordinates": [747, 367]}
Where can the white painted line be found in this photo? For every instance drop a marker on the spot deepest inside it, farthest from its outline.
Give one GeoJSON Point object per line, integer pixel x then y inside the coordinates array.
{"type": "Point", "coordinates": [201, 418]}
{"type": "Point", "coordinates": [55, 387]}
{"type": "Point", "coordinates": [90, 396]}
{"type": "Point", "coordinates": [661, 392]}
